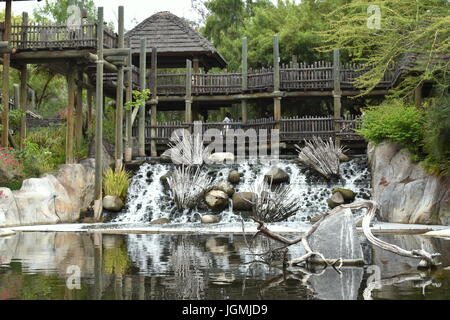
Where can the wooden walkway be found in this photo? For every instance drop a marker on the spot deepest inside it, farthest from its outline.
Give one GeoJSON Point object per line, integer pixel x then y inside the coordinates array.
{"type": "Point", "coordinates": [292, 129]}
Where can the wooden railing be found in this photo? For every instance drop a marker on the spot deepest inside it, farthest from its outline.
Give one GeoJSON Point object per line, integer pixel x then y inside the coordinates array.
{"type": "Point", "coordinates": [293, 129]}
{"type": "Point", "coordinates": [300, 77]}
{"type": "Point", "coordinates": [38, 37]}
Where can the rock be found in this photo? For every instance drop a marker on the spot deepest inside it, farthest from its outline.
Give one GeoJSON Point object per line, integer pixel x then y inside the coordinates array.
{"type": "Point", "coordinates": [51, 198]}
{"type": "Point", "coordinates": [347, 194]}
{"type": "Point", "coordinates": [343, 157]}
{"type": "Point", "coordinates": [160, 221]}
{"type": "Point", "coordinates": [164, 181]}
{"type": "Point", "coordinates": [404, 191]}
{"type": "Point", "coordinates": [226, 187]}
{"type": "Point", "coordinates": [234, 176]}
{"type": "Point", "coordinates": [210, 218]}
{"type": "Point", "coordinates": [6, 232]}
{"type": "Point", "coordinates": [277, 176]}
{"type": "Point", "coordinates": [336, 237]}
{"type": "Point", "coordinates": [220, 157]}
{"type": "Point", "coordinates": [241, 201]}
{"type": "Point", "coordinates": [166, 156]}
{"type": "Point", "coordinates": [315, 219]}
{"type": "Point", "coordinates": [336, 200]}
{"type": "Point", "coordinates": [216, 200]}
{"type": "Point", "coordinates": [107, 153]}
{"type": "Point", "coordinates": [112, 203]}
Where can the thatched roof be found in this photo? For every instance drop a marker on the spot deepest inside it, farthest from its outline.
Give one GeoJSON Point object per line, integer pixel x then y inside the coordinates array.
{"type": "Point", "coordinates": [175, 41]}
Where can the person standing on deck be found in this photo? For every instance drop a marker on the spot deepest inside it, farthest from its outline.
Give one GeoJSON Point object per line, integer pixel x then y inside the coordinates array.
{"type": "Point", "coordinates": [227, 120]}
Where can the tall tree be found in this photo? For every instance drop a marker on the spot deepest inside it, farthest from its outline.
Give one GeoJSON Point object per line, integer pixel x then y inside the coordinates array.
{"type": "Point", "coordinates": [57, 11]}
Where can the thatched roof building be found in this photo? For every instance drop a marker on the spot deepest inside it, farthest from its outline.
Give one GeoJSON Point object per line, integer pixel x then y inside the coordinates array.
{"type": "Point", "coordinates": [175, 41]}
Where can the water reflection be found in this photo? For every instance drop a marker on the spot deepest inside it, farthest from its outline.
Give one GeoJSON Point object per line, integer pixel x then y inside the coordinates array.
{"type": "Point", "coordinates": [34, 265]}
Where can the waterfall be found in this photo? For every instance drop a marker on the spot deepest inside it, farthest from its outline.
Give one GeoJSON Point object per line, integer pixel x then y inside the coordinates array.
{"type": "Point", "coordinates": [147, 200]}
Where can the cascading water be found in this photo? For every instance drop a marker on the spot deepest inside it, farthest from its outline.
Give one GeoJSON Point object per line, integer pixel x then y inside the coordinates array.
{"type": "Point", "coordinates": [148, 200]}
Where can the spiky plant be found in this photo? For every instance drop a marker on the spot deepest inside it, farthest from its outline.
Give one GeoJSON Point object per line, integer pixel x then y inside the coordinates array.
{"type": "Point", "coordinates": [116, 182]}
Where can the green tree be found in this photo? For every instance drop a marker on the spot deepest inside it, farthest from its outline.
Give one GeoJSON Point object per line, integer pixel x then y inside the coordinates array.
{"type": "Point", "coordinates": [412, 34]}
{"type": "Point", "coordinates": [56, 11]}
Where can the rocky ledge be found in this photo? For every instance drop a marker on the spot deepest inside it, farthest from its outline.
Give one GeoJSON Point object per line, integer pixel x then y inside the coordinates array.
{"type": "Point", "coordinates": [404, 191]}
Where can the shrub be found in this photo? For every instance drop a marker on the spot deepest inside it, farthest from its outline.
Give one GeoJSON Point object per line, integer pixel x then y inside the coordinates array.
{"type": "Point", "coordinates": [9, 162]}
{"type": "Point", "coordinates": [437, 136]}
{"type": "Point", "coordinates": [394, 120]}
{"type": "Point", "coordinates": [116, 182]}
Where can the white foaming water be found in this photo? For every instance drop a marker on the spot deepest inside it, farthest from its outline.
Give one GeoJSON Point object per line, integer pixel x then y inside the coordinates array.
{"type": "Point", "coordinates": [147, 199]}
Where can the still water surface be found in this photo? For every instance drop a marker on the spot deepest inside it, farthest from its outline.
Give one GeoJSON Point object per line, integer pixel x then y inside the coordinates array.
{"type": "Point", "coordinates": [38, 265]}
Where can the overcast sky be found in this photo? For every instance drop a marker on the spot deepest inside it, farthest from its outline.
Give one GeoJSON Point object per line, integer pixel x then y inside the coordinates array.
{"type": "Point", "coordinates": [135, 10]}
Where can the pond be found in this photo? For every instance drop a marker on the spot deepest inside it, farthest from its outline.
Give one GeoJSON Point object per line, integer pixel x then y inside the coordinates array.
{"type": "Point", "coordinates": [46, 265]}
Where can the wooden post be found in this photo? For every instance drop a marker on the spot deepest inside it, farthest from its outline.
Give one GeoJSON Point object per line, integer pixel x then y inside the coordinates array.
{"type": "Point", "coordinates": [89, 109]}
{"type": "Point", "coordinates": [99, 118]}
{"type": "Point", "coordinates": [119, 97]}
{"type": "Point", "coordinates": [188, 97]}
{"type": "Point", "coordinates": [154, 100]}
{"type": "Point", "coordinates": [142, 81]}
{"type": "Point", "coordinates": [337, 91]}
{"type": "Point", "coordinates": [79, 111]}
{"type": "Point", "coordinates": [70, 120]}
{"type": "Point", "coordinates": [276, 81]}
{"type": "Point", "coordinates": [5, 87]}
{"type": "Point", "coordinates": [418, 95]}
{"type": "Point", "coordinates": [23, 88]}
{"type": "Point", "coordinates": [244, 79]}
{"type": "Point", "coordinates": [17, 102]}
{"type": "Point", "coordinates": [23, 105]}
{"type": "Point", "coordinates": [129, 97]}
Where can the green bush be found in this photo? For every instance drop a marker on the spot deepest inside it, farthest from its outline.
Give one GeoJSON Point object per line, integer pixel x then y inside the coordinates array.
{"type": "Point", "coordinates": [394, 120]}
{"type": "Point", "coordinates": [437, 136]}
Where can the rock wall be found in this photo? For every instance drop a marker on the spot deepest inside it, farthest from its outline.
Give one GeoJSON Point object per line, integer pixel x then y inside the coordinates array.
{"type": "Point", "coordinates": [51, 198]}
{"type": "Point", "coordinates": [404, 191]}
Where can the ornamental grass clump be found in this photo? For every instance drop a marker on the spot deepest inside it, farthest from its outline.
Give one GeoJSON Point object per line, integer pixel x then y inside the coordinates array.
{"type": "Point", "coordinates": [116, 182]}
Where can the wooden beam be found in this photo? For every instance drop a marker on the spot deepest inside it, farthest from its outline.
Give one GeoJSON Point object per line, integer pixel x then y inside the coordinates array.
{"type": "Point", "coordinates": [337, 93]}
{"type": "Point", "coordinates": [23, 105]}
{"type": "Point", "coordinates": [244, 79]}
{"type": "Point", "coordinates": [154, 100]}
{"type": "Point", "coordinates": [129, 97]}
{"type": "Point", "coordinates": [79, 110]}
{"type": "Point", "coordinates": [276, 81]}
{"type": "Point", "coordinates": [5, 87]}
{"type": "Point", "coordinates": [99, 118]}
{"type": "Point", "coordinates": [142, 81]}
{"type": "Point", "coordinates": [89, 96]}
{"type": "Point", "coordinates": [69, 119]}
{"type": "Point", "coordinates": [188, 97]}
{"type": "Point", "coordinates": [118, 155]}
{"type": "Point", "coordinates": [117, 52]}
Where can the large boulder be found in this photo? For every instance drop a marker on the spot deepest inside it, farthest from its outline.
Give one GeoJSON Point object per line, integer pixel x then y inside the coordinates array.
{"type": "Point", "coordinates": [276, 176]}
{"type": "Point", "coordinates": [234, 176]}
{"type": "Point", "coordinates": [51, 198]}
{"type": "Point", "coordinates": [403, 190]}
{"type": "Point", "coordinates": [242, 201]}
{"type": "Point", "coordinates": [220, 157]}
{"type": "Point", "coordinates": [216, 200]}
{"type": "Point", "coordinates": [225, 187]}
{"type": "Point", "coordinates": [336, 237]}
{"type": "Point", "coordinates": [112, 203]}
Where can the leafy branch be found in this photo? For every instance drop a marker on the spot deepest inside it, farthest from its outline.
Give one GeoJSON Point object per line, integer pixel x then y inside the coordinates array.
{"type": "Point", "coordinates": [139, 99]}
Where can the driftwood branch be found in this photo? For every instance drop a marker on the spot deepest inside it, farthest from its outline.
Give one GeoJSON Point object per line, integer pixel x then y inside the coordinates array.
{"type": "Point", "coordinates": [311, 256]}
